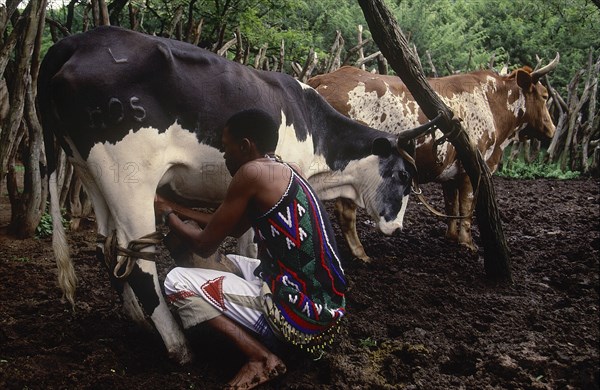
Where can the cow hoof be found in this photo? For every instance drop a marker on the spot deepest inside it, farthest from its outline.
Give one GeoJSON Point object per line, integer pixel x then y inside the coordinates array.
{"type": "Point", "coordinates": [364, 259]}
{"type": "Point", "coordinates": [452, 237]}
{"type": "Point", "coordinates": [181, 357]}
{"type": "Point", "coordinates": [469, 246]}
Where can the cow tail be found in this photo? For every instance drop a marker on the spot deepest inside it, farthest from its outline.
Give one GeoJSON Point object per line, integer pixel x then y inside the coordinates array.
{"type": "Point", "coordinates": [55, 58]}
{"type": "Point", "coordinates": [67, 280]}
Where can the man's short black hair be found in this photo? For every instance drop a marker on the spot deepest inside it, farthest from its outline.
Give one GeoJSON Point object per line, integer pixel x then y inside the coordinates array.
{"type": "Point", "coordinates": [256, 125]}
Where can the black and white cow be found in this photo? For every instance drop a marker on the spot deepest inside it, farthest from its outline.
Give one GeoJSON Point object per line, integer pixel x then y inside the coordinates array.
{"type": "Point", "coordinates": [136, 112]}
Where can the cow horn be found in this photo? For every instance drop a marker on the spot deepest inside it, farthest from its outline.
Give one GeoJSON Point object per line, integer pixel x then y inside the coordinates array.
{"type": "Point", "coordinates": [411, 134]}
{"type": "Point", "coordinates": [546, 69]}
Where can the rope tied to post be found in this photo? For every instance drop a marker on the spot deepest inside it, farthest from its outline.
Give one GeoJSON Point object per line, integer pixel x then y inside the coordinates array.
{"type": "Point", "coordinates": [122, 260]}
{"type": "Point", "coordinates": [450, 136]}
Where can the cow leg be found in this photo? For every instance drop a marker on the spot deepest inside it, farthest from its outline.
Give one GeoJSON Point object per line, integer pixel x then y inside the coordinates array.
{"type": "Point", "coordinates": [131, 214]}
{"type": "Point", "coordinates": [106, 225]}
{"type": "Point", "coordinates": [451, 204]}
{"type": "Point", "coordinates": [345, 211]}
{"type": "Point", "coordinates": [130, 221]}
{"type": "Point", "coordinates": [466, 202]}
{"type": "Point", "coordinates": [145, 284]}
{"type": "Point", "coordinates": [132, 308]}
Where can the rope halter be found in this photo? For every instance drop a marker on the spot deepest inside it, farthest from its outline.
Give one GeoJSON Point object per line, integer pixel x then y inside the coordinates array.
{"type": "Point", "coordinates": [122, 260]}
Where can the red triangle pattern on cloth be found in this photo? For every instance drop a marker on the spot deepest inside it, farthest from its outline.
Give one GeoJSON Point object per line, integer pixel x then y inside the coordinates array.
{"type": "Point", "coordinates": [213, 290]}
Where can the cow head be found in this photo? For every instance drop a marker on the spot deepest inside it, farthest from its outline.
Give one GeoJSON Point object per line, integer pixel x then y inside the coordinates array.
{"type": "Point", "coordinates": [536, 117]}
{"type": "Point", "coordinates": [396, 170]}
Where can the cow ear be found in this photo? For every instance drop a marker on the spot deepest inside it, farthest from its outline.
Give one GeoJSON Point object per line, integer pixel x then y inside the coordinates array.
{"type": "Point", "coordinates": [524, 80]}
{"type": "Point", "coordinates": [381, 147]}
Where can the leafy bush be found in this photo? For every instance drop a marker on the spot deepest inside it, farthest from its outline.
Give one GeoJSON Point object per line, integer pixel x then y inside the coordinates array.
{"type": "Point", "coordinates": [519, 169]}
{"type": "Point", "coordinates": [44, 228]}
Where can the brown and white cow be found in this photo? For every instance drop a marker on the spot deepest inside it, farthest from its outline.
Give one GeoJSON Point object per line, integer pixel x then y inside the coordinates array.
{"type": "Point", "coordinates": [492, 107]}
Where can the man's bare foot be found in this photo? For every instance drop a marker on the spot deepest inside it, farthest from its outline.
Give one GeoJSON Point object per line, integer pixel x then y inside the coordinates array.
{"type": "Point", "coordinates": [255, 373]}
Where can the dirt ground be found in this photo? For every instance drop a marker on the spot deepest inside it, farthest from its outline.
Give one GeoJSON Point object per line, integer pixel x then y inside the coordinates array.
{"type": "Point", "coordinates": [421, 316]}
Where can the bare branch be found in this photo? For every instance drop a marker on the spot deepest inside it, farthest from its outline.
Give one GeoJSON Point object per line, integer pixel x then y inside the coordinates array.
{"type": "Point", "coordinates": [367, 59]}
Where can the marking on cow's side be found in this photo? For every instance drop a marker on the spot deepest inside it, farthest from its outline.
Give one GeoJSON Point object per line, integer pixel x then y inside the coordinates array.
{"type": "Point", "coordinates": [119, 114]}
{"type": "Point", "coordinates": [130, 170]}
{"type": "Point", "coordinates": [140, 112]}
{"type": "Point", "coordinates": [118, 61]}
{"type": "Point", "coordinates": [115, 112]}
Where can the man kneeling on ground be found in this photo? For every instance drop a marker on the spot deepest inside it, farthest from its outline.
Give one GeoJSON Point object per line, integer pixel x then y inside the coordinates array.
{"type": "Point", "coordinates": [294, 291]}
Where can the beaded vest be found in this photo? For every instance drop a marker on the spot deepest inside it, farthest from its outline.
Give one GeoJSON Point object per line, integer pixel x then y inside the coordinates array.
{"type": "Point", "coordinates": [301, 265]}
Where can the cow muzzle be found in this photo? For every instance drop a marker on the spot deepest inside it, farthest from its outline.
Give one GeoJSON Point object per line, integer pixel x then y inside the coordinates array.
{"type": "Point", "coordinates": [389, 228]}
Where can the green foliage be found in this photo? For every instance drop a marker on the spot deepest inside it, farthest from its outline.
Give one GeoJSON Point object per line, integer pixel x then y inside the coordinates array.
{"type": "Point", "coordinates": [23, 259]}
{"type": "Point", "coordinates": [303, 25]}
{"type": "Point", "coordinates": [455, 41]}
{"type": "Point", "coordinates": [461, 35]}
{"type": "Point", "coordinates": [520, 169]}
{"type": "Point", "coordinates": [514, 31]}
{"type": "Point", "coordinates": [44, 228]}
{"type": "Point", "coordinates": [328, 16]}
{"type": "Point", "coordinates": [269, 27]}
{"type": "Point", "coordinates": [368, 343]}
{"type": "Point", "coordinates": [526, 28]}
